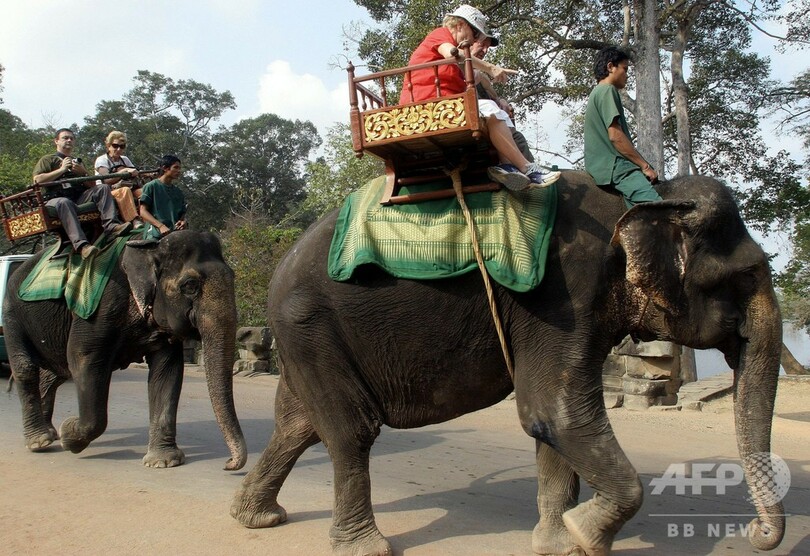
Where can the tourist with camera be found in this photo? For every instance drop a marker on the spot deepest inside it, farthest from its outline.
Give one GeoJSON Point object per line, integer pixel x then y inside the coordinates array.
{"type": "Point", "coordinates": [63, 165]}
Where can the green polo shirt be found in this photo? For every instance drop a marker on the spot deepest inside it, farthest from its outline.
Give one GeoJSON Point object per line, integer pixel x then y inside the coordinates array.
{"type": "Point", "coordinates": [166, 203]}
{"type": "Point", "coordinates": [601, 157]}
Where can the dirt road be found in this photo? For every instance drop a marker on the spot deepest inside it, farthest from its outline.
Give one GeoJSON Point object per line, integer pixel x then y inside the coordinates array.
{"type": "Point", "coordinates": [464, 487]}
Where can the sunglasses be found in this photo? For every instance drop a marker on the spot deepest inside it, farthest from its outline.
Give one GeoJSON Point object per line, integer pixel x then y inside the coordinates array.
{"type": "Point", "coordinates": [117, 146]}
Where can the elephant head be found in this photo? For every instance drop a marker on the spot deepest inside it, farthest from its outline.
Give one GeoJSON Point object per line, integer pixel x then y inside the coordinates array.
{"type": "Point", "coordinates": [184, 288]}
{"type": "Point", "coordinates": [698, 279]}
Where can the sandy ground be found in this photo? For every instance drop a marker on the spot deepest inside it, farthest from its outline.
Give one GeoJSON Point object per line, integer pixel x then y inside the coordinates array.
{"type": "Point", "coordinates": [463, 487]}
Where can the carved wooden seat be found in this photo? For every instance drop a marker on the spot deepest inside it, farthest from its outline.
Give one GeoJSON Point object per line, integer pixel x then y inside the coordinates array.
{"type": "Point", "coordinates": [25, 214]}
{"type": "Point", "coordinates": [419, 139]}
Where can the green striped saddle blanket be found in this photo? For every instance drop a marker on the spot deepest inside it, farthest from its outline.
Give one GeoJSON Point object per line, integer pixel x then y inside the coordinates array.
{"type": "Point", "coordinates": [80, 282]}
{"type": "Point", "coordinates": [431, 240]}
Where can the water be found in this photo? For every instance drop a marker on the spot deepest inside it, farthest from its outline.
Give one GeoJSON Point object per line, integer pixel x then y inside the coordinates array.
{"type": "Point", "coordinates": [710, 362]}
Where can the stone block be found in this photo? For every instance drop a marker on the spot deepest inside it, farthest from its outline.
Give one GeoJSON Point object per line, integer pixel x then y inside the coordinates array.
{"type": "Point", "coordinates": [652, 368]}
{"type": "Point", "coordinates": [636, 402]}
{"type": "Point", "coordinates": [644, 387]}
{"type": "Point", "coordinates": [657, 349]}
{"type": "Point", "coordinates": [693, 405]}
{"type": "Point", "coordinates": [614, 365]}
{"type": "Point", "coordinates": [256, 340]}
{"type": "Point", "coordinates": [626, 347]}
{"type": "Point", "coordinates": [612, 383]}
{"type": "Point", "coordinates": [243, 366]}
{"type": "Point", "coordinates": [613, 399]}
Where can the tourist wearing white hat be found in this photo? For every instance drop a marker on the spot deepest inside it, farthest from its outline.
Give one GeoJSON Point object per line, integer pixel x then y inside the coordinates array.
{"type": "Point", "coordinates": [468, 23]}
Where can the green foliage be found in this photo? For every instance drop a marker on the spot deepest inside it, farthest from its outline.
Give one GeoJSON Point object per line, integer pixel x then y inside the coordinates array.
{"type": "Point", "coordinates": [253, 251]}
{"type": "Point", "coordinates": [338, 172]}
{"type": "Point", "coordinates": [161, 116]}
{"type": "Point", "coordinates": [20, 148]}
{"type": "Point", "coordinates": [794, 281]}
{"type": "Point", "coordinates": [262, 161]}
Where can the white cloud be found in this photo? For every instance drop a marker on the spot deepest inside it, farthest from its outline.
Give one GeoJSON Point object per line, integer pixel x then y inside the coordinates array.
{"type": "Point", "coordinates": [301, 96]}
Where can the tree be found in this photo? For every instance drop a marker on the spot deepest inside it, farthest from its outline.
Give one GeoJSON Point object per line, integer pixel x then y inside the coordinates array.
{"type": "Point", "coordinates": [338, 172]}
{"type": "Point", "coordinates": [262, 161]}
{"type": "Point", "coordinates": [20, 148]}
{"type": "Point", "coordinates": [253, 251]}
{"type": "Point", "coordinates": [163, 116]}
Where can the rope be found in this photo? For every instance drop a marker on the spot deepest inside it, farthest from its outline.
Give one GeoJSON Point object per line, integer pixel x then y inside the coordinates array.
{"type": "Point", "coordinates": [455, 174]}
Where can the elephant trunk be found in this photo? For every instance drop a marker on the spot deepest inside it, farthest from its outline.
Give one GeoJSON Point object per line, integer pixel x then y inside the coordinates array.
{"type": "Point", "coordinates": [756, 378]}
{"type": "Point", "coordinates": [217, 326]}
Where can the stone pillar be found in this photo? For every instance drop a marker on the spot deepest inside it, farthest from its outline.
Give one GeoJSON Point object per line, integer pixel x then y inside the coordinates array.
{"type": "Point", "coordinates": [652, 374]}
{"type": "Point", "coordinates": [256, 346]}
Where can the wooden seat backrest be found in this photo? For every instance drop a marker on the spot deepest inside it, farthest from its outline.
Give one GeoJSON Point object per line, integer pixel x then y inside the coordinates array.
{"type": "Point", "coordinates": [417, 136]}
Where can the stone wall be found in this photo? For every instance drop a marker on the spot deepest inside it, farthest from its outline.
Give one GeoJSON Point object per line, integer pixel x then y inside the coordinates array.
{"type": "Point", "coordinates": [645, 374]}
{"type": "Point", "coordinates": [256, 347]}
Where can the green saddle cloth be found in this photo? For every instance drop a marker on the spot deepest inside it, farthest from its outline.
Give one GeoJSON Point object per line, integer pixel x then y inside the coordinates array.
{"type": "Point", "coordinates": [431, 240]}
{"type": "Point", "coordinates": [80, 282]}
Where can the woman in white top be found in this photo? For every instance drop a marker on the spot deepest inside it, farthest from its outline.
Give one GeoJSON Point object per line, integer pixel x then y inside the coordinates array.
{"type": "Point", "coordinates": [114, 162]}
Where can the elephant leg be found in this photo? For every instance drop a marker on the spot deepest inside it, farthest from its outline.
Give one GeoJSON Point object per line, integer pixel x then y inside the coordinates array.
{"type": "Point", "coordinates": [574, 423]}
{"type": "Point", "coordinates": [256, 504]}
{"type": "Point", "coordinates": [354, 530]}
{"type": "Point", "coordinates": [558, 491]}
{"type": "Point", "coordinates": [38, 434]}
{"type": "Point", "coordinates": [91, 375]}
{"type": "Point", "coordinates": [593, 452]}
{"type": "Point", "coordinates": [165, 382]}
{"type": "Point", "coordinates": [48, 384]}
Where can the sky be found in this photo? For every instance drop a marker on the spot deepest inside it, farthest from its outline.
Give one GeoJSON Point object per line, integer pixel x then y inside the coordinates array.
{"type": "Point", "coordinates": [62, 58]}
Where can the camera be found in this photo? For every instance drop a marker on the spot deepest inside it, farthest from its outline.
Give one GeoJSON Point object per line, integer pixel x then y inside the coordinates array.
{"type": "Point", "coordinates": [77, 161]}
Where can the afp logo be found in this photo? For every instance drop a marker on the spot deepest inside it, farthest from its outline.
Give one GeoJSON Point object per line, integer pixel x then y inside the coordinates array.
{"type": "Point", "coordinates": [770, 474]}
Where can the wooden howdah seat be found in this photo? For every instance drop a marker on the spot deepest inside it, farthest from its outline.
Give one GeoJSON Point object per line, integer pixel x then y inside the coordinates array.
{"type": "Point", "coordinates": [419, 140]}
{"type": "Point", "coordinates": [25, 214]}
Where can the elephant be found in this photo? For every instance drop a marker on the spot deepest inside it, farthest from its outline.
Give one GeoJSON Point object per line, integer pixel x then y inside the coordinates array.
{"type": "Point", "coordinates": [377, 350]}
{"type": "Point", "coordinates": [158, 295]}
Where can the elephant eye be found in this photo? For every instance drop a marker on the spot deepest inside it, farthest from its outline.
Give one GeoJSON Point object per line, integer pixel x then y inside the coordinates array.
{"type": "Point", "coordinates": [190, 287]}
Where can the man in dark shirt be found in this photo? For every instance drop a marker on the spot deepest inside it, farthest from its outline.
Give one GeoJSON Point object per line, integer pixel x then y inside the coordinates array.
{"type": "Point", "coordinates": [62, 165]}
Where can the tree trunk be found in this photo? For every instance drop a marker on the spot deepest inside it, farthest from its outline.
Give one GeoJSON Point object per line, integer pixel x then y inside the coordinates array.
{"type": "Point", "coordinates": [681, 93]}
{"type": "Point", "coordinates": [650, 130]}
{"type": "Point", "coordinates": [791, 364]}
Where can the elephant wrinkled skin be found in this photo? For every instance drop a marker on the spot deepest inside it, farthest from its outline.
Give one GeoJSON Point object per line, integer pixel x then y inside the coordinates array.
{"type": "Point", "coordinates": [158, 295]}
{"type": "Point", "coordinates": [378, 350]}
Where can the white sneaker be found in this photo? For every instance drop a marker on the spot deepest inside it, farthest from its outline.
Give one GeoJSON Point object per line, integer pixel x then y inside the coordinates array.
{"type": "Point", "coordinates": [508, 175]}
{"type": "Point", "coordinates": [541, 177]}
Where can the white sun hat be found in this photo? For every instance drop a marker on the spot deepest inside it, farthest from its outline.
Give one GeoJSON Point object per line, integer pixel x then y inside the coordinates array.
{"type": "Point", "coordinates": [476, 19]}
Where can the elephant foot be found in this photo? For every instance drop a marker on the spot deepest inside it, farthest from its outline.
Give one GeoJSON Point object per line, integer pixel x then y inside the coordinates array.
{"type": "Point", "coordinates": [40, 442]}
{"type": "Point", "coordinates": [164, 457]}
{"type": "Point", "coordinates": [253, 518]}
{"type": "Point", "coordinates": [553, 539]}
{"type": "Point", "coordinates": [72, 439]}
{"type": "Point", "coordinates": [593, 527]}
{"type": "Point", "coordinates": [372, 545]}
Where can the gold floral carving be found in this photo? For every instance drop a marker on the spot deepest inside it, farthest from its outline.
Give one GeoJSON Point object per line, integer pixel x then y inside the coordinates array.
{"type": "Point", "coordinates": [412, 120]}
{"type": "Point", "coordinates": [29, 224]}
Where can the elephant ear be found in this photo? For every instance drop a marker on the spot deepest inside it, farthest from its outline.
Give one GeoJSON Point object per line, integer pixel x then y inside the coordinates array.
{"type": "Point", "coordinates": [654, 239]}
{"type": "Point", "coordinates": [140, 263]}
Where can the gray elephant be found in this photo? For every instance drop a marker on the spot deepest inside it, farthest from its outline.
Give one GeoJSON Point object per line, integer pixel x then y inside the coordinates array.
{"type": "Point", "coordinates": [378, 350]}
{"type": "Point", "coordinates": [157, 296]}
